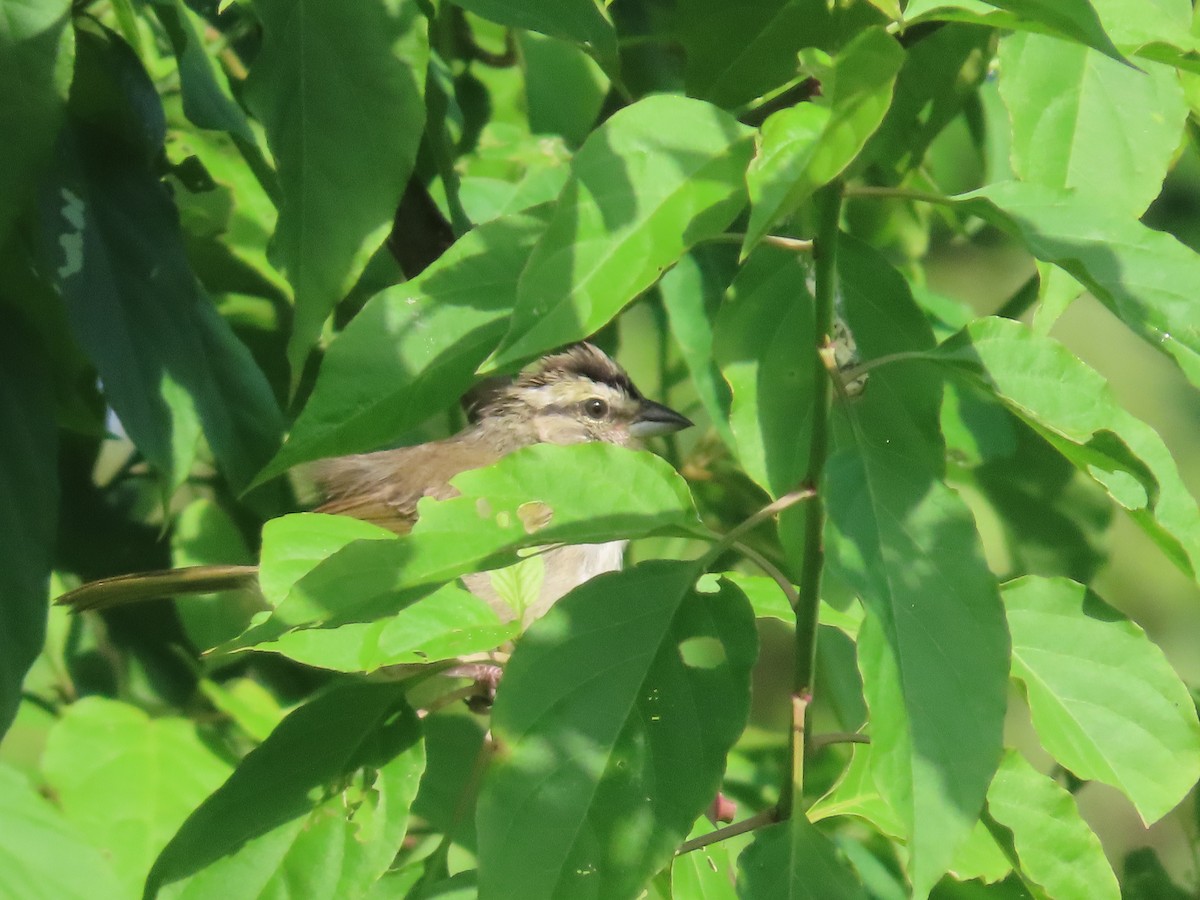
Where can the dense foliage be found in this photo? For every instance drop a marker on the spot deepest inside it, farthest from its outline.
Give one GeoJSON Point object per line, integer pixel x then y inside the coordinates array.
{"type": "Point", "coordinates": [221, 224]}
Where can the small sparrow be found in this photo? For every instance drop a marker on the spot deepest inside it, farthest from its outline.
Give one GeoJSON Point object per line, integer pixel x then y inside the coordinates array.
{"type": "Point", "coordinates": [571, 397]}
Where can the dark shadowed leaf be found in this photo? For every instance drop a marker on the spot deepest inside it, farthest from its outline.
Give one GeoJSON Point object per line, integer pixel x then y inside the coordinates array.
{"type": "Point", "coordinates": [37, 46]}
{"type": "Point", "coordinates": [612, 723]}
{"type": "Point", "coordinates": [583, 21]}
{"type": "Point", "coordinates": [207, 101]}
{"type": "Point", "coordinates": [762, 332]}
{"type": "Point", "coordinates": [656, 178]}
{"type": "Point", "coordinates": [342, 165]}
{"type": "Point", "coordinates": [794, 861]}
{"type": "Point", "coordinates": [28, 507]}
{"type": "Point", "coordinates": [935, 657]}
{"type": "Point", "coordinates": [319, 808]}
{"type": "Point", "coordinates": [112, 247]}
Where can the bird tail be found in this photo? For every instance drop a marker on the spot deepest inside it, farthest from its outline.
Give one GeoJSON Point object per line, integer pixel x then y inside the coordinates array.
{"type": "Point", "coordinates": [123, 589]}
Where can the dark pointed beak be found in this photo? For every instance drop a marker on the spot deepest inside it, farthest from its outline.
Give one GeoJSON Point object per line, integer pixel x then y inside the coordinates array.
{"type": "Point", "coordinates": [654, 419]}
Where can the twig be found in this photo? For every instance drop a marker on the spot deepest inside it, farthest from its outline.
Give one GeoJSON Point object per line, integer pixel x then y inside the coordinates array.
{"type": "Point", "coordinates": [758, 820]}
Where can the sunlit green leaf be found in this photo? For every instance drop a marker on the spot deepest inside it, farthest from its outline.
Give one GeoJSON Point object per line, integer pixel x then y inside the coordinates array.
{"type": "Point", "coordinates": [529, 498]}
{"type": "Point", "coordinates": [613, 720]}
{"type": "Point", "coordinates": [1105, 701]}
{"type": "Point", "coordinates": [320, 807]}
{"type": "Point", "coordinates": [1057, 850]}
{"type": "Point", "coordinates": [414, 348]}
{"type": "Point", "coordinates": [342, 165]}
{"type": "Point", "coordinates": [1139, 274]}
{"type": "Point", "coordinates": [446, 624]}
{"type": "Point", "coordinates": [656, 178]}
{"type": "Point", "coordinates": [810, 144]}
{"type": "Point", "coordinates": [128, 781]}
{"type": "Point", "coordinates": [1073, 19]}
{"type": "Point", "coordinates": [43, 856]}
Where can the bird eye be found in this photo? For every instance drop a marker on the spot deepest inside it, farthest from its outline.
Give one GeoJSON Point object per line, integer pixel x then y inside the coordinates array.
{"type": "Point", "coordinates": [596, 408]}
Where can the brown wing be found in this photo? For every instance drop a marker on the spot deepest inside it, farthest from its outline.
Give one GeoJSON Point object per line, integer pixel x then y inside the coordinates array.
{"type": "Point", "coordinates": [383, 488]}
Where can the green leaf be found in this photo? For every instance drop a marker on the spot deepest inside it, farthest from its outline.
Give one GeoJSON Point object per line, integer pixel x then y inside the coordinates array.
{"type": "Point", "coordinates": [763, 327]}
{"type": "Point", "coordinates": [1055, 517]}
{"type": "Point", "coordinates": [28, 507]}
{"type": "Point", "coordinates": [613, 720]}
{"type": "Point", "coordinates": [942, 72]}
{"type": "Point", "coordinates": [446, 624]}
{"type": "Point", "coordinates": [707, 873]}
{"type": "Point", "coordinates": [933, 649]}
{"type": "Point", "coordinates": [342, 165]}
{"type": "Point", "coordinates": [37, 48]}
{"type": "Point", "coordinates": [414, 348]}
{"type": "Point", "coordinates": [793, 860]}
{"type": "Point", "coordinates": [1075, 20]}
{"type": "Point", "coordinates": [207, 101]}
{"type": "Point", "coordinates": [1139, 274]}
{"type": "Point", "coordinates": [564, 89]}
{"type": "Point", "coordinates": [112, 248]}
{"type": "Point", "coordinates": [1145, 878]}
{"type": "Point", "coordinates": [294, 545]}
{"type": "Point", "coordinates": [128, 781]}
{"type": "Point", "coordinates": [582, 21]}
{"type": "Point", "coordinates": [319, 808]}
{"type": "Point", "coordinates": [736, 54]}
{"type": "Point", "coordinates": [808, 145]}
{"type": "Point", "coordinates": [1072, 407]}
{"type": "Point", "coordinates": [1057, 850]}
{"type": "Point", "coordinates": [691, 293]}
{"type": "Point", "coordinates": [1078, 117]}
{"type": "Point", "coordinates": [653, 180]}
{"type": "Point", "coordinates": [204, 534]}
{"type": "Point", "coordinates": [1105, 701]}
{"type": "Point", "coordinates": [529, 498]}
{"type": "Point", "coordinates": [43, 856]}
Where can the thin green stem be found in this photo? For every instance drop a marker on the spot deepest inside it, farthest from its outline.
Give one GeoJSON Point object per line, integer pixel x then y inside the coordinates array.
{"type": "Point", "coordinates": [798, 245]}
{"type": "Point", "coordinates": [771, 570]}
{"type": "Point", "coordinates": [878, 362]}
{"type": "Point", "coordinates": [771, 509]}
{"type": "Point", "coordinates": [896, 193]}
{"type": "Point", "coordinates": [829, 209]}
